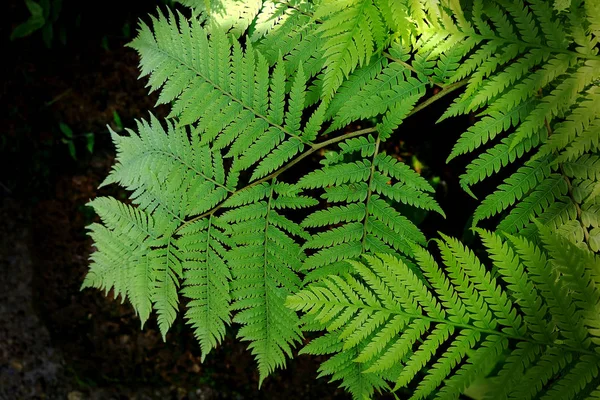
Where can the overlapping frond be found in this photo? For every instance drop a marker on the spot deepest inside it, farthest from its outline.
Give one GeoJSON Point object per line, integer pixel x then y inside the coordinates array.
{"type": "Point", "coordinates": [287, 30]}
{"type": "Point", "coordinates": [533, 77]}
{"type": "Point", "coordinates": [384, 88]}
{"type": "Point", "coordinates": [355, 30]}
{"type": "Point", "coordinates": [172, 160]}
{"type": "Point", "coordinates": [534, 334]}
{"type": "Point", "coordinates": [254, 84]}
{"type": "Point", "coordinates": [277, 29]}
{"type": "Point", "coordinates": [169, 244]}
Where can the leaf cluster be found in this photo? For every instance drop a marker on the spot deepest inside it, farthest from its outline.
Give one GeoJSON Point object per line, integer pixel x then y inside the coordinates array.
{"type": "Point", "coordinates": [217, 225]}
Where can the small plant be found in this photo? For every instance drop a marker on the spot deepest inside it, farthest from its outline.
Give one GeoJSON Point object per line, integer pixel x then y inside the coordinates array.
{"type": "Point", "coordinates": [69, 139]}
{"type": "Point", "coordinates": [44, 16]}
{"type": "Point", "coordinates": [221, 219]}
{"type": "Point", "coordinates": [117, 122]}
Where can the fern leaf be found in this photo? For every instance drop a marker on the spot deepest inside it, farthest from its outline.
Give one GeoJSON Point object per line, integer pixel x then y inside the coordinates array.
{"type": "Point", "coordinates": [495, 159]}
{"type": "Point", "coordinates": [382, 309]}
{"type": "Point", "coordinates": [264, 262]}
{"type": "Point", "coordinates": [369, 222]}
{"type": "Point", "coordinates": [233, 15]}
{"type": "Point", "coordinates": [110, 263]}
{"type": "Point", "coordinates": [335, 215]}
{"type": "Point", "coordinates": [513, 189]}
{"type": "Point", "coordinates": [487, 128]}
{"type": "Point", "coordinates": [337, 175]}
{"type": "Point", "coordinates": [550, 108]}
{"type": "Point", "coordinates": [560, 305]}
{"type": "Point", "coordinates": [167, 267]}
{"type": "Point", "coordinates": [545, 195]}
{"type": "Point", "coordinates": [442, 368]}
{"type": "Point", "coordinates": [254, 84]}
{"type": "Point", "coordinates": [223, 105]}
{"type": "Point", "coordinates": [392, 89]}
{"type": "Point", "coordinates": [515, 276]}
{"type": "Point", "coordinates": [206, 280]}
{"type": "Point", "coordinates": [353, 31]}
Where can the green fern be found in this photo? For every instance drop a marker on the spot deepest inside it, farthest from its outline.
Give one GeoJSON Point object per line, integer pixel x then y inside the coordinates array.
{"type": "Point", "coordinates": [365, 219]}
{"type": "Point", "coordinates": [243, 112]}
{"type": "Point", "coordinates": [551, 110]}
{"type": "Point", "coordinates": [353, 31]}
{"type": "Point", "coordinates": [203, 246]}
{"type": "Point", "coordinates": [234, 16]}
{"type": "Point", "coordinates": [181, 175]}
{"type": "Point", "coordinates": [264, 264]}
{"type": "Point", "coordinates": [439, 334]}
{"type": "Point", "coordinates": [220, 219]}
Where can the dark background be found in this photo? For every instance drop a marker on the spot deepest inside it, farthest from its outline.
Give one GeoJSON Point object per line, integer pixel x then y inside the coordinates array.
{"type": "Point", "coordinates": [57, 342]}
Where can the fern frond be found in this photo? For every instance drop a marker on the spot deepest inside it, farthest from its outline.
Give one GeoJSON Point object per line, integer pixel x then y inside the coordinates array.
{"type": "Point", "coordinates": [335, 215]}
{"type": "Point", "coordinates": [549, 109]}
{"type": "Point", "coordinates": [234, 16]}
{"type": "Point", "coordinates": [111, 263]}
{"type": "Point", "coordinates": [288, 30]}
{"type": "Point", "coordinates": [203, 248]}
{"type": "Point", "coordinates": [530, 336]}
{"type": "Point", "coordinates": [538, 203]}
{"type": "Point", "coordinates": [149, 228]}
{"type": "Point", "coordinates": [167, 267]}
{"type": "Point", "coordinates": [241, 111]}
{"type": "Point", "coordinates": [513, 189]}
{"type": "Point", "coordinates": [139, 231]}
{"type": "Point", "coordinates": [368, 220]}
{"type": "Point", "coordinates": [560, 307]}
{"type": "Point", "coordinates": [386, 90]}
{"type": "Point", "coordinates": [255, 85]}
{"type": "Point", "coordinates": [353, 31]}
{"type": "Point", "coordinates": [494, 160]}
{"type": "Point", "coordinates": [341, 366]}
{"type": "Point", "coordinates": [264, 262]}
{"type": "Point", "coordinates": [174, 160]}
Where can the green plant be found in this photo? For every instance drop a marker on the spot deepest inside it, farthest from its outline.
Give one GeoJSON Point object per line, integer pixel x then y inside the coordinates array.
{"type": "Point", "coordinates": [117, 122]}
{"type": "Point", "coordinates": [385, 322]}
{"type": "Point", "coordinates": [221, 215]}
{"type": "Point", "coordinates": [69, 138]}
{"type": "Point", "coordinates": [44, 15]}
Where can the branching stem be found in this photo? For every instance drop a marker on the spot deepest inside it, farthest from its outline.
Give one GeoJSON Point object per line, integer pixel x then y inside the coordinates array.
{"type": "Point", "coordinates": [281, 170]}
{"type": "Point", "coordinates": [318, 146]}
{"type": "Point", "coordinates": [444, 92]}
{"type": "Point", "coordinates": [410, 68]}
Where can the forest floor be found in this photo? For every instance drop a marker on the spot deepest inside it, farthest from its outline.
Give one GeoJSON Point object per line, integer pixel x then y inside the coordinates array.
{"type": "Point", "coordinates": [57, 342]}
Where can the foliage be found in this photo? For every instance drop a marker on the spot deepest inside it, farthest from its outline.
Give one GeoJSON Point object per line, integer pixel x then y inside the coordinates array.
{"type": "Point", "coordinates": [43, 17]}
{"type": "Point", "coordinates": [535, 318]}
{"type": "Point", "coordinates": [69, 138]}
{"type": "Point", "coordinates": [220, 216]}
{"type": "Point", "coordinates": [550, 113]}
